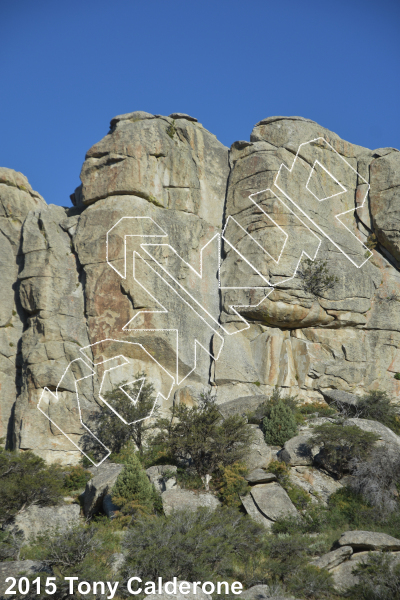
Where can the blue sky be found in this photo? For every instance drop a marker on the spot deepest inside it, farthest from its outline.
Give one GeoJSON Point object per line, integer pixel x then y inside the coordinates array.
{"type": "Point", "coordinates": [68, 67]}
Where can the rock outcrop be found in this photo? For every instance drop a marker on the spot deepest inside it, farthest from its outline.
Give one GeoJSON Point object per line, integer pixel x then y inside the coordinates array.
{"type": "Point", "coordinates": [168, 190]}
{"type": "Point", "coordinates": [97, 494]}
{"type": "Point", "coordinates": [355, 548]}
{"type": "Point", "coordinates": [20, 568]}
{"type": "Point", "coordinates": [177, 499]}
{"type": "Point", "coordinates": [37, 520]}
{"type": "Point", "coordinates": [163, 477]}
{"type": "Point", "coordinates": [266, 502]}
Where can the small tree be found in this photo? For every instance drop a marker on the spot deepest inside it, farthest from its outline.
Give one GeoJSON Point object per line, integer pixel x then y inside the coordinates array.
{"type": "Point", "coordinates": [111, 430]}
{"type": "Point", "coordinates": [316, 277]}
{"type": "Point", "coordinates": [133, 491]}
{"type": "Point", "coordinates": [339, 444]}
{"type": "Point", "coordinates": [201, 434]}
{"type": "Point", "coordinates": [280, 426]}
{"type": "Point", "coordinates": [25, 479]}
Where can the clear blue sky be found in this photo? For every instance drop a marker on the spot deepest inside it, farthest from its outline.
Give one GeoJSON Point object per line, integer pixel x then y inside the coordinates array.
{"type": "Point", "coordinates": [68, 67]}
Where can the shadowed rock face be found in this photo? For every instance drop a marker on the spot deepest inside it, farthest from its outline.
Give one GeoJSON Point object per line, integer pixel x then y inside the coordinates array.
{"type": "Point", "coordinates": [59, 294]}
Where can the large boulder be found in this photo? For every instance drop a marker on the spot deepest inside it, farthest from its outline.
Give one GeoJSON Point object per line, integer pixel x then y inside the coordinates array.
{"type": "Point", "coordinates": [340, 398]}
{"type": "Point", "coordinates": [20, 568]}
{"type": "Point", "coordinates": [178, 499]}
{"type": "Point", "coordinates": [98, 489]}
{"type": "Point", "coordinates": [272, 501]}
{"type": "Point", "coordinates": [257, 592]}
{"type": "Point", "coordinates": [163, 477]}
{"type": "Point", "coordinates": [254, 512]}
{"type": "Point", "coordinates": [369, 540]}
{"type": "Point", "coordinates": [259, 476]}
{"type": "Point", "coordinates": [333, 559]}
{"type": "Point", "coordinates": [296, 451]}
{"type": "Point", "coordinates": [259, 454]}
{"type": "Point", "coordinates": [343, 576]}
{"type": "Point", "coordinates": [316, 483]}
{"type": "Point", "coordinates": [36, 520]}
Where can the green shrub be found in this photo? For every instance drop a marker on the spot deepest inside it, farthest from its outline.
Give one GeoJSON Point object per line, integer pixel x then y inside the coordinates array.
{"type": "Point", "coordinates": [339, 444]}
{"type": "Point", "coordinates": [83, 552]}
{"type": "Point", "coordinates": [280, 426]}
{"type": "Point", "coordinates": [231, 484]}
{"type": "Point", "coordinates": [133, 492]}
{"type": "Point", "coordinates": [10, 544]}
{"type": "Point", "coordinates": [171, 129]}
{"type": "Point", "coordinates": [189, 479]}
{"type": "Point", "coordinates": [191, 545]}
{"type": "Point", "coordinates": [25, 479]}
{"type": "Point", "coordinates": [263, 410]}
{"type": "Point", "coordinates": [311, 582]}
{"type": "Point", "coordinates": [321, 408]}
{"type": "Point", "coordinates": [316, 277]}
{"type": "Point", "coordinates": [202, 434]}
{"type": "Point", "coordinates": [285, 555]}
{"type": "Point", "coordinates": [377, 406]}
{"type": "Point", "coordinates": [378, 579]}
{"type": "Point", "coordinates": [76, 478]}
{"type": "Point", "coordinates": [396, 376]}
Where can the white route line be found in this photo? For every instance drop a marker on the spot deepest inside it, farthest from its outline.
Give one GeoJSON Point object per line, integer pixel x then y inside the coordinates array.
{"type": "Point", "coordinates": [163, 234]}
{"type": "Point", "coordinates": [196, 341]}
{"type": "Point", "coordinates": [352, 210]}
{"type": "Point", "coordinates": [89, 366]}
{"type": "Point", "coordinates": [330, 174]}
{"type": "Point", "coordinates": [133, 400]}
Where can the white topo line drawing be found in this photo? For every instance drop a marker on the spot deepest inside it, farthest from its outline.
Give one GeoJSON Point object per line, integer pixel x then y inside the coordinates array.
{"type": "Point", "coordinates": [155, 236]}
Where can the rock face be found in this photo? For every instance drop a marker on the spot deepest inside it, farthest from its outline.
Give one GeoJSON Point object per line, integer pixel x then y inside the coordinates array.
{"type": "Point", "coordinates": [260, 454]}
{"type": "Point", "coordinates": [18, 568]}
{"type": "Point", "coordinates": [333, 559]}
{"type": "Point", "coordinates": [16, 200]}
{"type": "Point", "coordinates": [39, 519]}
{"type": "Point", "coordinates": [355, 548]}
{"type": "Point", "coordinates": [316, 483]}
{"type": "Point", "coordinates": [73, 297]}
{"type": "Point", "coordinates": [162, 477]}
{"type": "Point", "coordinates": [97, 492]}
{"type": "Point", "coordinates": [369, 540]}
{"type": "Point", "coordinates": [177, 499]}
{"type": "Point", "coordinates": [260, 476]}
{"type": "Point", "coordinates": [267, 502]}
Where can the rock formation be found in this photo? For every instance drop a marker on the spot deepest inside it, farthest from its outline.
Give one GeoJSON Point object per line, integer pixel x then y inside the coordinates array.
{"type": "Point", "coordinates": [69, 291]}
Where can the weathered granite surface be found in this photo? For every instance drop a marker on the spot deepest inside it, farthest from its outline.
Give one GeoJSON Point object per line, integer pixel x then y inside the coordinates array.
{"type": "Point", "coordinates": [59, 294]}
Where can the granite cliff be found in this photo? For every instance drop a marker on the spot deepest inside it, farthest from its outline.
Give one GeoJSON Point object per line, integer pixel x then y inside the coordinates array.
{"type": "Point", "coordinates": [67, 281]}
